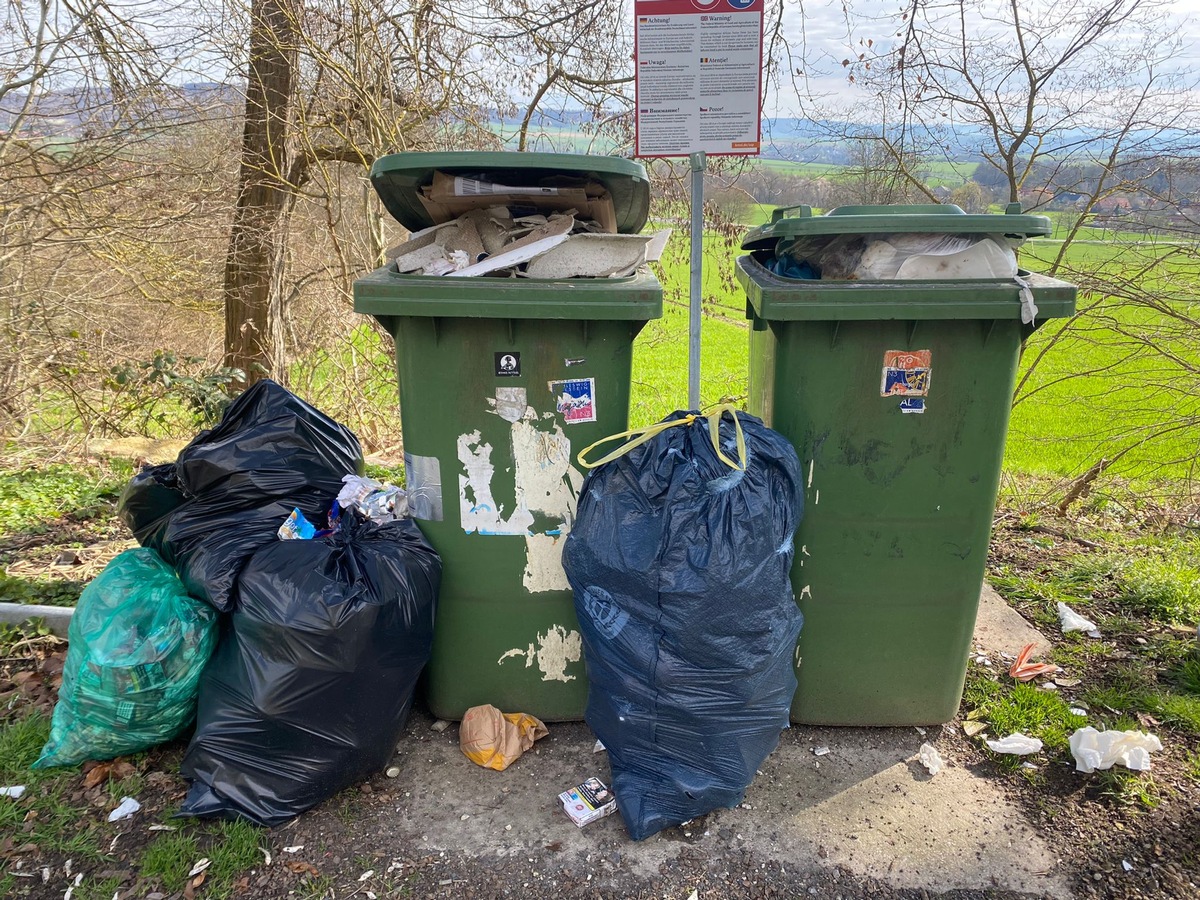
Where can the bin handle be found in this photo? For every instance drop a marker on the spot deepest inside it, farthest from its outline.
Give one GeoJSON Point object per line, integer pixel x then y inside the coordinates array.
{"type": "Point", "coordinates": [640, 436]}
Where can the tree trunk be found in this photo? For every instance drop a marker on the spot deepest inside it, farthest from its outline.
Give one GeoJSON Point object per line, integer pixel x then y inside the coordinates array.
{"type": "Point", "coordinates": [254, 330]}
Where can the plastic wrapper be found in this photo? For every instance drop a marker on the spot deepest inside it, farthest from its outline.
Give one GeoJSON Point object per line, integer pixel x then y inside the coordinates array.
{"type": "Point", "coordinates": [313, 679]}
{"type": "Point", "coordinates": [138, 644]}
{"type": "Point", "coordinates": [680, 567]}
{"type": "Point", "coordinates": [902, 256]}
{"type": "Point", "coordinates": [495, 740]}
{"type": "Point", "coordinates": [270, 454]}
{"type": "Point", "coordinates": [376, 500]}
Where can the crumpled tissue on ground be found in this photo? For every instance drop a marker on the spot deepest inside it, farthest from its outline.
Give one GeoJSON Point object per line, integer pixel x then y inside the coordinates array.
{"type": "Point", "coordinates": [1073, 621]}
{"type": "Point", "coordinates": [1017, 744]}
{"type": "Point", "coordinates": [1094, 749]}
{"type": "Point", "coordinates": [930, 758]}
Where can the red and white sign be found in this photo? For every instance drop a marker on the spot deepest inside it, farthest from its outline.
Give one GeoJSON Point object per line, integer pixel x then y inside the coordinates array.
{"type": "Point", "coordinates": [699, 76]}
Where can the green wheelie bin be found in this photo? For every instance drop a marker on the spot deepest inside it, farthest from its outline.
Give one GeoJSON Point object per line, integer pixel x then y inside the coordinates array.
{"type": "Point", "coordinates": [884, 344]}
{"type": "Point", "coordinates": [502, 381]}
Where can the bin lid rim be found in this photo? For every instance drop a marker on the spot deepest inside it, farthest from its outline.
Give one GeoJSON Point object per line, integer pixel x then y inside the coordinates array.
{"type": "Point", "coordinates": [398, 177]}
{"type": "Point", "coordinates": [936, 218]}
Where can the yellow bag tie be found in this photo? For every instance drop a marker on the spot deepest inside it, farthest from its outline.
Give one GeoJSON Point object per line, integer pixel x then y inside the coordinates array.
{"type": "Point", "coordinates": [641, 435]}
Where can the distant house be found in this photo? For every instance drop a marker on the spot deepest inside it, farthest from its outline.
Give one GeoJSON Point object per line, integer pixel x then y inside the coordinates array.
{"type": "Point", "coordinates": [1112, 206]}
{"type": "Point", "coordinates": [1036, 198]}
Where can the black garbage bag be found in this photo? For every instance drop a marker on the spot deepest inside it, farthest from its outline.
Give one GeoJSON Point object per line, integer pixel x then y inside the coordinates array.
{"type": "Point", "coordinates": [270, 454]}
{"type": "Point", "coordinates": [147, 502]}
{"type": "Point", "coordinates": [314, 676]}
{"type": "Point", "coordinates": [680, 563]}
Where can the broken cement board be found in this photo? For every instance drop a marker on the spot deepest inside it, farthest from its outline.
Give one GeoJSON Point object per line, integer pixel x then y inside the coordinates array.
{"type": "Point", "coordinates": [598, 255]}
{"type": "Point", "coordinates": [534, 244]}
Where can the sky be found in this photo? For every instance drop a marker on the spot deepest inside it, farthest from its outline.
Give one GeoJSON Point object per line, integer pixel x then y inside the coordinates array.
{"type": "Point", "coordinates": [820, 28]}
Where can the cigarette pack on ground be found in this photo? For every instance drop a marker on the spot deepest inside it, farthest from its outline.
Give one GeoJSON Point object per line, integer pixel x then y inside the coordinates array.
{"type": "Point", "coordinates": [588, 802]}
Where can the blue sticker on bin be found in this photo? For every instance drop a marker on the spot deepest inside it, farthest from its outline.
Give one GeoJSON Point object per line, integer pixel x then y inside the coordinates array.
{"type": "Point", "coordinates": [575, 399]}
{"type": "Point", "coordinates": [912, 405]}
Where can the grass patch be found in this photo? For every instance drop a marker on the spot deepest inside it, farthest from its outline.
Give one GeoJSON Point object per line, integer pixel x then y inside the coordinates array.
{"type": "Point", "coordinates": [1156, 578]}
{"type": "Point", "coordinates": [1024, 708]}
{"type": "Point", "coordinates": [1166, 588]}
{"type": "Point", "coordinates": [1127, 788]}
{"type": "Point", "coordinates": [1131, 689]}
{"type": "Point", "coordinates": [46, 591]}
{"type": "Point", "coordinates": [1192, 765]}
{"type": "Point", "coordinates": [32, 496]}
{"type": "Point", "coordinates": [1186, 677]}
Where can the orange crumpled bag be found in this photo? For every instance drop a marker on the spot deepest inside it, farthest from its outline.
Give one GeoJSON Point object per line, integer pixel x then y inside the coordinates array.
{"type": "Point", "coordinates": [494, 739]}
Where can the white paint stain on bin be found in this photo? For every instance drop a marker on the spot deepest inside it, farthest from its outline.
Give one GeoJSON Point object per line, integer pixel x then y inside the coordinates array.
{"type": "Point", "coordinates": [545, 483]}
{"type": "Point", "coordinates": [552, 652]}
{"type": "Point", "coordinates": [478, 509]}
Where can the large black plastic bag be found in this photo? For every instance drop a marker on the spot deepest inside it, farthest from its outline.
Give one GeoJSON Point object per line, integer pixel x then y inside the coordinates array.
{"type": "Point", "coordinates": [680, 565]}
{"type": "Point", "coordinates": [313, 678]}
{"type": "Point", "coordinates": [271, 453]}
{"type": "Point", "coordinates": [147, 502]}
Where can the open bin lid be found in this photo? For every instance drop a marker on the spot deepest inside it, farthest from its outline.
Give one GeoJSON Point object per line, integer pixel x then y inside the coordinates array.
{"type": "Point", "coordinates": [939, 218]}
{"type": "Point", "coordinates": [398, 179]}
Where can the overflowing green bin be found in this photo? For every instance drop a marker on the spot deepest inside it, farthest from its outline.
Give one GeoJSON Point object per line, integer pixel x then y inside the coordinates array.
{"type": "Point", "coordinates": [896, 394]}
{"type": "Point", "coordinates": [502, 381]}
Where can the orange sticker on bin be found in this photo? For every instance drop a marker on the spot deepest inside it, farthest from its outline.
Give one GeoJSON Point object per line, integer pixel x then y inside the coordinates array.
{"type": "Point", "coordinates": [905, 373]}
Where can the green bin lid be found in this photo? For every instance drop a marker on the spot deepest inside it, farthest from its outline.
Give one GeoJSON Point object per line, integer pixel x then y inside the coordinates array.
{"type": "Point", "coordinates": [399, 177]}
{"type": "Point", "coordinates": [942, 218]}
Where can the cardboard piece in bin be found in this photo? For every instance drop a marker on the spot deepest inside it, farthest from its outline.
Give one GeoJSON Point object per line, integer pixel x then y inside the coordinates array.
{"type": "Point", "coordinates": [449, 196]}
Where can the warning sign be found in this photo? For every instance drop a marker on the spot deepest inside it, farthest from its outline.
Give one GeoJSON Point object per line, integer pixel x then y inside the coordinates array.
{"type": "Point", "coordinates": [699, 76]}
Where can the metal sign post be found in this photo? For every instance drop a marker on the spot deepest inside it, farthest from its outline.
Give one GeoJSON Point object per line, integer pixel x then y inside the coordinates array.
{"type": "Point", "coordinates": [699, 93]}
{"type": "Point", "coordinates": [695, 310]}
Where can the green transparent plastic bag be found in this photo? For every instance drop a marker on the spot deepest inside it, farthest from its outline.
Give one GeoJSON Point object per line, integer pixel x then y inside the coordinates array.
{"type": "Point", "coordinates": [137, 646]}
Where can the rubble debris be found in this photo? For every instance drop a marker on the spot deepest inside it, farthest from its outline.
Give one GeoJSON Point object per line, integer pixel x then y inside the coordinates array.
{"type": "Point", "coordinates": [549, 231]}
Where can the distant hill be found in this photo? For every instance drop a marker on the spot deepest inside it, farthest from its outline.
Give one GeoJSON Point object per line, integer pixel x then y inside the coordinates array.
{"type": "Point", "coordinates": [72, 114]}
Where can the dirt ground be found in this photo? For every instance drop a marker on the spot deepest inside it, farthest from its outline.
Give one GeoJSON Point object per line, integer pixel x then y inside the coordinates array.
{"type": "Point", "coordinates": [863, 820]}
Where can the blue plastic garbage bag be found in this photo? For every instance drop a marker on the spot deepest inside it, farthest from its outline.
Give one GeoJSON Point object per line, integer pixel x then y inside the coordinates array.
{"type": "Point", "coordinates": [679, 561]}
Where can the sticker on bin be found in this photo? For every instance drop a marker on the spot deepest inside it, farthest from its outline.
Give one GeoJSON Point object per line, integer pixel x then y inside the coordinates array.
{"type": "Point", "coordinates": [905, 373]}
{"type": "Point", "coordinates": [575, 399]}
{"type": "Point", "coordinates": [508, 363]}
{"type": "Point", "coordinates": [912, 405]}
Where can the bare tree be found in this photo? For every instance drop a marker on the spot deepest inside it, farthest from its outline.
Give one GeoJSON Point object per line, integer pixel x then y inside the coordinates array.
{"type": "Point", "coordinates": [94, 188]}
{"type": "Point", "coordinates": [336, 83]}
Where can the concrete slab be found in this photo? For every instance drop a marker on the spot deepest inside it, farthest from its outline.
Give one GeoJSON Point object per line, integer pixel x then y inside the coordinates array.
{"type": "Point", "coordinates": [1000, 628]}
{"type": "Point", "coordinates": [867, 807]}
